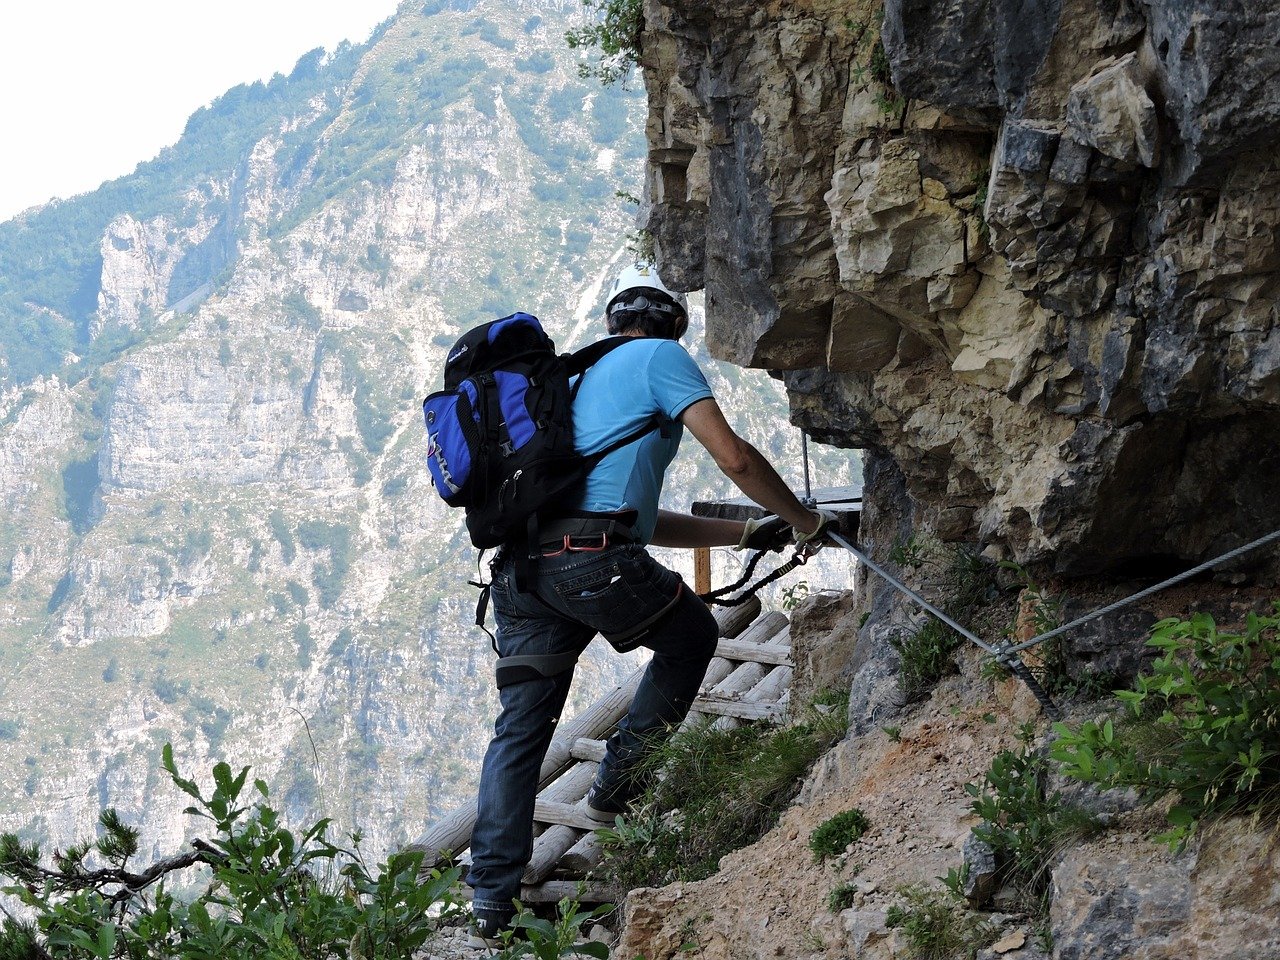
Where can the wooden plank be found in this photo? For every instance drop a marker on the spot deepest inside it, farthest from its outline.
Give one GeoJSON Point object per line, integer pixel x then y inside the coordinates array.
{"type": "Point", "coordinates": [772, 688]}
{"type": "Point", "coordinates": [585, 749]}
{"type": "Point", "coordinates": [765, 628]}
{"type": "Point", "coordinates": [572, 785]}
{"type": "Point", "coordinates": [741, 709]}
{"type": "Point", "coordinates": [583, 857]}
{"type": "Point", "coordinates": [702, 570]}
{"type": "Point", "coordinates": [553, 891]}
{"type": "Point", "coordinates": [734, 620]}
{"type": "Point", "coordinates": [553, 842]}
{"type": "Point", "coordinates": [753, 652]}
{"type": "Point", "coordinates": [565, 814]}
{"type": "Point", "coordinates": [453, 833]}
{"type": "Point", "coordinates": [762, 630]}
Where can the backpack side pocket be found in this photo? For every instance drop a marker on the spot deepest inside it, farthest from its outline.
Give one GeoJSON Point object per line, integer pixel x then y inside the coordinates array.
{"type": "Point", "coordinates": [453, 441]}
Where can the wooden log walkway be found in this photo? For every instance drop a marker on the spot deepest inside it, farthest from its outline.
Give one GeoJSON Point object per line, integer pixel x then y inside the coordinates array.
{"type": "Point", "coordinates": [748, 679]}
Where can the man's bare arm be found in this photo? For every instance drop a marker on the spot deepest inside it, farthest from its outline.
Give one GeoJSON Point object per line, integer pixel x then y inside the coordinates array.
{"type": "Point", "coordinates": [745, 465]}
{"type": "Point", "coordinates": [684, 530]}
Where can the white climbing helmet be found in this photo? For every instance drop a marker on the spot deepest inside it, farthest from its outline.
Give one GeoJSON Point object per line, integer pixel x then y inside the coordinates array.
{"type": "Point", "coordinates": [633, 292]}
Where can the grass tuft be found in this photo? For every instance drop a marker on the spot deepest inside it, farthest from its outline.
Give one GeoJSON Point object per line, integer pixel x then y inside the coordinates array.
{"type": "Point", "coordinates": [937, 926]}
{"type": "Point", "coordinates": [831, 838]}
{"type": "Point", "coordinates": [713, 791]}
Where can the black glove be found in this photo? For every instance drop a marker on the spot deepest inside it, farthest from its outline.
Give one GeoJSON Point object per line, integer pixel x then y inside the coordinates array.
{"type": "Point", "coordinates": [767, 533]}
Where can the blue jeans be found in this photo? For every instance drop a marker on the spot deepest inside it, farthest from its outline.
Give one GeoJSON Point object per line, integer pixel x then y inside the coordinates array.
{"type": "Point", "coordinates": [577, 595]}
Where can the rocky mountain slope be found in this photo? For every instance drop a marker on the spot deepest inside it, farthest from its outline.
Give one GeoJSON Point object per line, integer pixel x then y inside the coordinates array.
{"type": "Point", "coordinates": [217, 528]}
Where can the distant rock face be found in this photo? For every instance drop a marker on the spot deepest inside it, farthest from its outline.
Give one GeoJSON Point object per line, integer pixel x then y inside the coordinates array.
{"type": "Point", "coordinates": [1029, 251]}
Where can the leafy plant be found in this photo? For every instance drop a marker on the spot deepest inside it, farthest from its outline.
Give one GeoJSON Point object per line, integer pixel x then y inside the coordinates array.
{"type": "Point", "coordinates": [955, 880]}
{"type": "Point", "coordinates": [1025, 825]}
{"type": "Point", "coordinates": [795, 594]}
{"type": "Point", "coordinates": [832, 837]}
{"type": "Point", "coordinates": [1052, 669]}
{"type": "Point", "coordinates": [910, 552]}
{"type": "Point", "coordinates": [553, 939]}
{"type": "Point", "coordinates": [640, 245]}
{"type": "Point", "coordinates": [1205, 724]}
{"type": "Point", "coordinates": [937, 926]}
{"type": "Point", "coordinates": [841, 898]}
{"type": "Point", "coordinates": [711, 791]}
{"type": "Point", "coordinates": [269, 892]}
{"type": "Point", "coordinates": [615, 32]}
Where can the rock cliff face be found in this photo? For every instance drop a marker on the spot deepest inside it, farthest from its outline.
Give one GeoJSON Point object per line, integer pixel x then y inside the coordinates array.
{"type": "Point", "coordinates": [1026, 251]}
{"type": "Point", "coordinates": [1027, 256]}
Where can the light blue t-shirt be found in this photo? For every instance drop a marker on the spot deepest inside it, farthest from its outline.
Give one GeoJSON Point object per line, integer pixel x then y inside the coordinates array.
{"type": "Point", "coordinates": [619, 394]}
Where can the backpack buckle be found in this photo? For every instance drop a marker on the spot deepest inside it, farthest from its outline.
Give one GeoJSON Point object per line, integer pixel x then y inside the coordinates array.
{"type": "Point", "coordinates": [507, 448]}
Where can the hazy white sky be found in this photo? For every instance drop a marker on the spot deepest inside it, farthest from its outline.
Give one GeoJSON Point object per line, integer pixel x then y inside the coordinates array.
{"type": "Point", "coordinates": [90, 88]}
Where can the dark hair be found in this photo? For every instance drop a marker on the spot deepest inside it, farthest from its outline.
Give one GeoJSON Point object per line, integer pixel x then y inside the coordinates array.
{"type": "Point", "coordinates": [669, 324]}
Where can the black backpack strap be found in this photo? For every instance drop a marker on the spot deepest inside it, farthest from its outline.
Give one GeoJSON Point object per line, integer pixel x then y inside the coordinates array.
{"type": "Point", "coordinates": [650, 425]}
{"type": "Point", "coordinates": [578, 361]}
{"type": "Point", "coordinates": [527, 553]}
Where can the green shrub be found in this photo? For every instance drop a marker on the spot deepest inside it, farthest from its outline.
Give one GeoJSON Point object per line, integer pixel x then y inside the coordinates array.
{"type": "Point", "coordinates": [284, 535]}
{"type": "Point", "coordinates": [1024, 824]}
{"type": "Point", "coordinates": [712, 791]}
{"type": "Point", "coordinates": [1050, 660]}
{"type": "Point", "coordinates": [615, 32]}
{"type": "Point", "coordinates": [841, 898]}
{"type": "Point", "coordinates": [554, 939]}
{"type": "Point", "coordinates": [306, 644]}
{"type": "Point", "coordinates": [9, 729]}
{"type": "Point", "coordinates": [937, 926]}
{"type": "Point", "coordinates": [832, 837]}
{"type": "Point", "coordinates": [1204, 724]}
{"type": "Point", "coordinates": [79, 486]}
{"type": "Point", "coordinates": [167, 689]}
{"type": "Point", "coordinates": [272, 893]}
{"type": "Point", "coordinates": [214, 726]}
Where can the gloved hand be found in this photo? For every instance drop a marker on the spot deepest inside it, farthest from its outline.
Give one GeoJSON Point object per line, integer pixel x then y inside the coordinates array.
{"type": "Point", "coordinates": [767, 533]}
{"type": "Point", "coordinates": [826, 521]}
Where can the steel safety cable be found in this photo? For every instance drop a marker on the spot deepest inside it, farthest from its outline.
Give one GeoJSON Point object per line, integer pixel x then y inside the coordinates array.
{"type": "Point", "coordinates": [1009, 659]}
{"type": "Point", "coordinates": [1143, 594]}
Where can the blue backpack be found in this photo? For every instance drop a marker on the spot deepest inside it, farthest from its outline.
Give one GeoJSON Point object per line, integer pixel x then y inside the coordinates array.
{"type": "Point", "coordinates": [500, 434]}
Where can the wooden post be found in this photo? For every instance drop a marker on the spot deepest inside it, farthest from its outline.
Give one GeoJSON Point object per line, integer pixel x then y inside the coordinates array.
{"type": "Point", "coordinates": [702, 569]}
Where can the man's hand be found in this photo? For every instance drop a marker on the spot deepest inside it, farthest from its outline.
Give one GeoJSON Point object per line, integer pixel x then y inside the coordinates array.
{"type": "Point", "coordinates": [767, 533]}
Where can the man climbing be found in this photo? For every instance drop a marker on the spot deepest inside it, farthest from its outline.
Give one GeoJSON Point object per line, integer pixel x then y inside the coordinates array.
{"type": "Point", "coordinates": [595, 576]}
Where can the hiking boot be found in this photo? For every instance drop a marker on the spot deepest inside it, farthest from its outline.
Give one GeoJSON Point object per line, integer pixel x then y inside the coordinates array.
{"type": "Point", "coordinates": [488, 929]}
{"type": "Point", "coordinates": [606, 804]}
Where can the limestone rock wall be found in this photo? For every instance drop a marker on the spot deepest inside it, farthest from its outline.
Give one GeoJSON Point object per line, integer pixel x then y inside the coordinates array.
{"type": "Point", "coordinates": [1028, 251]}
